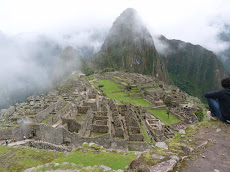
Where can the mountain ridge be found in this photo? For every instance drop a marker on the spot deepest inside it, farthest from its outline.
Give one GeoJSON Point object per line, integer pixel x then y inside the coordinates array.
{"type": "Point", "coordinates": [193, 68]}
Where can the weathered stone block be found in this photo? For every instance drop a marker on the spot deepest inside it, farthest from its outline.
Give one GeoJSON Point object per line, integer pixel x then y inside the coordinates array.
{"type": "Point", "coordinates": [134, 130]}
{"type": "Point", "coordinates": [73, 125]}
{"type": "Point", "coordinates": [101, 122]}
{"type": "Point", "coordinates": [83, 109]}
{"type": "Point", "coordinates": [100, 129]}
{"type": "Point", "coordinates": [119, 132]}
{"type": "Point", "coordinates": [100, 118]}
{"type": "Point", "coordinates": [136, 137]}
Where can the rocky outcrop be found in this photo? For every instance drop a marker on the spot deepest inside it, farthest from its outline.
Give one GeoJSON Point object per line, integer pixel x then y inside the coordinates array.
{"type": "Point", "coordinates": [5, 113]}
{"type": "Point", "coordinates": [164, 166]}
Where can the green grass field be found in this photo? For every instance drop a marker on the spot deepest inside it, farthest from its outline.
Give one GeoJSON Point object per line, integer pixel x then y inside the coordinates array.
{"type": "Point", "coordinates": [162, 115]}
{"type": "Point", "coordinates": [109, 87]}
{"type": "Point", "coordinates": [146, 136]}
{"type": "Point", "coordinates": [19, 159]}
{"type": "Point", "coordinates": [89, 156]}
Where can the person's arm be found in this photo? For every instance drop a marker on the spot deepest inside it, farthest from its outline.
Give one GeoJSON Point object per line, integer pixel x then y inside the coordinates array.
{"type": "Point", "coordinates": [214, 94]}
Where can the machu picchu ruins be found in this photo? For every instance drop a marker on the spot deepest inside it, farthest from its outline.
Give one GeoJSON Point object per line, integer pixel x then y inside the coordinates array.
{"type": "Point", "coordinates": [77, 112]}
{"type": "Point", "coordinates": [87, 87]}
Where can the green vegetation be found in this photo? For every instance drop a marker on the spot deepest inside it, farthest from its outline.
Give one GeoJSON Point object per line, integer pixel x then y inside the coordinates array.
{"type": "Point", "coordinates": [146, 136]}
{"type": "Point", "coordinates": [90, 156]}
{"type": "Point", "coordinates": [193, 68]}
{"type": "Point", "coordinates": [80, 117]}
{"type": "Point", "coordinates": [186, 86]}
{"type": "Point", "coordinates": [19, 159]}
{"type": "Point", "coordinates": [107, 69]}
{"type": "Point", "coordinates": [86, 69]}
{"type": "Point", "coordinates": [67, 166]}
{"type": "Point", "coordinates": [128, 87]}
{"type": "Point", "coordinates": [100, 86]}
{"type": "Point", "coordinates": [163, 116]}
{"type": "Point", "coordinates": [168, 102]}
{"type": "Point", "coordinates": [200, 114]}
{"type": "Point", "coordinates": [111, 87]}
{"type": "Point", "coordinates": [96, 134]}
{"type": "Point", "coordinates": [131, 149]}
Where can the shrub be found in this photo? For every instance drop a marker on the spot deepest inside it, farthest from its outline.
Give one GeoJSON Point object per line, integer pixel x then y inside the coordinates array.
{"type": "Point", "coordinates": [108, 70]}
{"type": "Point", "coordinates": [128, 87]}
{"type": "Point", "coordinates": [100, 86]}
{"type": "Point", "coordinates": [168, 102]}
{"type": "Point", "coordinates": [200, 115]}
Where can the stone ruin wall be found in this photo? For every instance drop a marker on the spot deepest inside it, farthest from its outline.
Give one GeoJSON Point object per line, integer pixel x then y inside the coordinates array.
{"type": "Point", "coordinates": [58, 136]}
{"type": "Point", "coordinates": [46, 113]}
{"type": "Point", "coordinates": [94, 121]}
{"type": "Point", "coordinates": [59, 114]}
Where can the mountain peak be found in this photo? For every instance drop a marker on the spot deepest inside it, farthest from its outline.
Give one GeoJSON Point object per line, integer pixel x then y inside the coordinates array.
{"type": "Point", "coordinates": [129, 46]}
{"type": "Point", "coordinates": [128, 28]}
{"type": "Point", "coordinates": [129, 12]}
{"type": "Point", "coordinates": [129, 19]}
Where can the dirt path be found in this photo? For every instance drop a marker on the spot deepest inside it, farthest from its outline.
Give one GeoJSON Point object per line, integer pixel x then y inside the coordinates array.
{"type": "Point", "coordinates": [214, 158]}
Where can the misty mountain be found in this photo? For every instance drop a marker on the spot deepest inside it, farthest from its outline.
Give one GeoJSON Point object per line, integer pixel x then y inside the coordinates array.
{"type": "Point", "coordinates": [86, 42]}
{"type": "Point", "coordinates": [192, 68]}
{"type": "Point", "coordinates": [68, 61]}
{"type": "Point", "coordinates": [129, 47]}
{"type": "Point", "coordinates": [225, 55]}
{"type": "Point", "coordinates": [30, 65]}
{"type": "Point", "coordinates": [26, 65]}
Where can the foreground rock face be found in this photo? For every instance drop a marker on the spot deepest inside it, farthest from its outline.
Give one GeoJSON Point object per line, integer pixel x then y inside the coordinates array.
{"type": "Point", "coordinates": [5, 113]}
{"type": "Point", "coordinates": [164, 166]}
{"type": "Point", "coordinates": [162, 145]}
{"type": "Point", "coordinates": [158, 163]}
{"type": "Point", "coordinates": [214, 148]}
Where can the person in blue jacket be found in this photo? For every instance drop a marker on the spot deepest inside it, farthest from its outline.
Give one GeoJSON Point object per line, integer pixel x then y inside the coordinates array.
{"type": "Point", "coordinates": [219, 101]}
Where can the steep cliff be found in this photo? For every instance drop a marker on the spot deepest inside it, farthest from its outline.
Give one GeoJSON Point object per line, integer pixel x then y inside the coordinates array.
{"type": "Point", "coordinates": [192, 68]}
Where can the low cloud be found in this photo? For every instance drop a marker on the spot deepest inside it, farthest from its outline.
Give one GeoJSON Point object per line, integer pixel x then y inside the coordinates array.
{"type": "Point", "coordinates": [26, 65]}
{"type": "Point", "coordinates": [29, 60]}
{"type": "Point", "coordinates": [161, 46]}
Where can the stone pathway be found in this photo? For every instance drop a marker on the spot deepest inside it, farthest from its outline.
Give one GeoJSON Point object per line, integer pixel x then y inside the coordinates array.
{"type": "Point", "coordinates": [214, 158]}
{"type": "Point", "coordinates": [18, 143]}
{"type": "Point", "coordinates": [57, 123]}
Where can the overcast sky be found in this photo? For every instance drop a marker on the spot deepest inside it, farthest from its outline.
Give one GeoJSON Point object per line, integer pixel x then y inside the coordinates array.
{"type": "Point", "coordinates": [33, 32]}
{"type": "Point", "coordinates": [195, 21]}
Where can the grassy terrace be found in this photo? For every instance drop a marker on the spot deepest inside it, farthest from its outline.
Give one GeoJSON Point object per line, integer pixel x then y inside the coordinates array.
{"type": "Point", "coordinates": [110, 87]}
{"type": "Point", "coordinates": [146, 136]}
{"type": "Point", "coordinates": [80, 117]}
{"type": "Point", "coordinates": [163, 116]}
{"type": "Point", "coordinates": [90, 156]}
{"type": "Point", "coordinates": [19, 159]}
